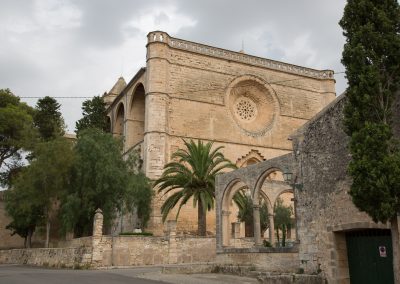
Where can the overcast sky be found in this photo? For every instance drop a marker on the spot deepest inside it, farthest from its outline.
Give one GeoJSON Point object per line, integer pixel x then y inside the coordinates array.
{"type": "Point", "coordinates": [78, 48]}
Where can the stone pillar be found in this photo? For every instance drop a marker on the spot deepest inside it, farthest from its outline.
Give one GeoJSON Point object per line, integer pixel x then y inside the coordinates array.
{"type": "Point", "coordinates": [257, 227]}
{"type": "Point", "coordinates": [271, 229]}
{"type": "Point", "coordinates": [225, 228]}
{"type": "Point", "coordinates": [156, 118]}
{"type": "Point", "coordinates": [172, 244]}
{"type": "Point", "coordinates": [97, 255]}
{"type": "Point", "coordinates": [236, 230]}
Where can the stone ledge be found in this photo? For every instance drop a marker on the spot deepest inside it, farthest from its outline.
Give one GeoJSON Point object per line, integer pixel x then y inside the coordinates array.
{"type": "Point", "coordinates": [294, 249]}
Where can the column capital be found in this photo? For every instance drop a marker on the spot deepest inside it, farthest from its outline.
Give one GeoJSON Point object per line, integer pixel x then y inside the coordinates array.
{"type": "Point", "coordinates": [256, 206]}
{"type": "Point", "coordinates": [226, 213]}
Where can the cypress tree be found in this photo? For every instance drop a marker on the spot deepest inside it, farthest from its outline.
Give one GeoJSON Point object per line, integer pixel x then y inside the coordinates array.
{"type": "Point", "coordinates": [371, 56]}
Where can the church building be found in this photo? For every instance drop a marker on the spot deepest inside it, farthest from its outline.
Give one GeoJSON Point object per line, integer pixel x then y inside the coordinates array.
{"type": "Point", "coordinates": [249, 105]}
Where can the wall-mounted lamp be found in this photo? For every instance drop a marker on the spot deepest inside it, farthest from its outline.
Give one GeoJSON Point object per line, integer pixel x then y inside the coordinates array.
{"type": "Point", "coordinates": [288, 177]}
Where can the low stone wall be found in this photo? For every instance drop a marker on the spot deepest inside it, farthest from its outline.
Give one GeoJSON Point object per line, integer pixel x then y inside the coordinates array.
{"type": "Point", "coordinates": [265, 259]}
{"type": "Point", "coordinates": [52, 257]}
{"type": "Point", "coordinates": [196, 249]}
{"type": "Point", "coordinates": [136, 250]}
{"type": "Point", "coordinates": [74, 243]}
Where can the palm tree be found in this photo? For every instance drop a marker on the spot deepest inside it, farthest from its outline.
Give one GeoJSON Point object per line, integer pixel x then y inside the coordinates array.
{"type": "Point", "coordinates": [191, 174]}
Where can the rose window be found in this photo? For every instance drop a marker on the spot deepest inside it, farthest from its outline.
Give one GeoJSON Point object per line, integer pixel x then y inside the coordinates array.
{"type": "Point", "coordinates": [246, 109]}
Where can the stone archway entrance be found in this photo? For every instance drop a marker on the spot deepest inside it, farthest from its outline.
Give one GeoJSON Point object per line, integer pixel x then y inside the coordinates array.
{"type": "Point", "coordinates": [264, 186]}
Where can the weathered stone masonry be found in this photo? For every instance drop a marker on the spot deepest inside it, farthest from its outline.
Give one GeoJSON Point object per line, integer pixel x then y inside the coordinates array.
{"type": "Point", "coordinates": [189, 90]}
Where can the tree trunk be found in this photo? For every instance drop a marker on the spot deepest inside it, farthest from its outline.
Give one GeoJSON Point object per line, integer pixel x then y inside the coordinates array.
{"type": "Point", "coordinates": [394, 226]}
{"type": "Point", "coordinates": [28, 239]}
{"type": "Point", "coordinates": [201, 219]}
{"type": "Point", "coordinates": [25, 242]}
{"type": "Point", "coordinates": [47, 233]}
{"type": "Point", "coordinates": [277, 234]}
{"type": "Point", "coordinates": [283, 235]}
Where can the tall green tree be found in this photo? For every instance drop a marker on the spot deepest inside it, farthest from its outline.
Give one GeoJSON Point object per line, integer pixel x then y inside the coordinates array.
{"type": "Point", "coordinates": [282, 219]}
{"type": "Point", "coordinates": [43, 181]}
{"type": "Point", "coordinates": [99, 180]}
{"type": "Point", "coordinates": [139, 193]}
{"type": "Point", "coordinates": [371, 56]}
{"type": "Point", "coordinates": [94, 115]}
{"type": "Point", "coordinates": [245, 214]}
{"type": "Point", "coordinates": [16, 132]}
{"type": "Point", "coordinates": [48, 118]}
{"type": "Point", "coordinates": [191, 174]}
{"type": "Point", "coordinates": [25, 208]}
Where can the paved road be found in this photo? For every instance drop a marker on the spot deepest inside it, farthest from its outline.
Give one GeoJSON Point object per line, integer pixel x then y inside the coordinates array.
{"type": "Point", "coordinates": [10, 274]}
{"type": "Point", "coordinates": [14, 274]}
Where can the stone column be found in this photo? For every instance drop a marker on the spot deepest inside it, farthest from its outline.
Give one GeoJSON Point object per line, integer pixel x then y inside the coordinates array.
{"type": "Point", "coordinates": [236, 229]}
{"type": "Point", "coordinates": [225, 228]}
{"type": "Point", "coordinates": [271, 229]}
{"type": "Point", "coordinates": [172, 245]}
{"type": "Point", "coordinates": [97, 256]}
{"type": "Point", "coordinates": [257, 227]}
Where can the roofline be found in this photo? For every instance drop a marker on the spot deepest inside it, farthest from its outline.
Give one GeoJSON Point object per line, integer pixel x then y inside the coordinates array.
{"type": "Point", "coordinates": [130, 84]}
{"type": "Point", "coordinates": [230, 55]}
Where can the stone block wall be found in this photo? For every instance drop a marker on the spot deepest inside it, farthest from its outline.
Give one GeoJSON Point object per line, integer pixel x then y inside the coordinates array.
{"type": "Point", "coordinates": [271, 262]}
{"type": "Point", "coordinates": [52, 257]}
{"type": "Point", "coordinates": [325, 211]}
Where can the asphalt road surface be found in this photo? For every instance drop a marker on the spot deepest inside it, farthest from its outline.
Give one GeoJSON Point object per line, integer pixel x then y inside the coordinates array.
{"type": "Point", "coordinates": [16, 274]}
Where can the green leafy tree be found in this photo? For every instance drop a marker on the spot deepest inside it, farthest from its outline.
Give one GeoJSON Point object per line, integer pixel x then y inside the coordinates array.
{"type": "Point", "coordinates": [371, 56]}
{"type": "Point", "coordinates": [245, 214]}
{"type": "Point", "coordinates": [191, 174]}
{"type": "Point", "coordinates": [25, 209]}
{"type": "Point", "coordinates": [99, 179]}
{"type": "Point", "coordinates": [16, 133]}
{"type": "Point", "coordinates": [48, 118]}
{"type": "Point", "coordinates": [139, 192]}
{"type": "Point", "coordinates": [94, 115]}
{"type": "Point", "coordinates": [282, 219]}
{"type": "Point", "coordinates": [139, 195]}
{"type": "Point", "coordinates": [44, 180]}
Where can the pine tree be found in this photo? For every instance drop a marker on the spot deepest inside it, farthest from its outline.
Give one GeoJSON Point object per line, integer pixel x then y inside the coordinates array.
{"type": "Point", "coordinates": [48, 118]}
{"type": "Point", "coordinates": [94, 115]}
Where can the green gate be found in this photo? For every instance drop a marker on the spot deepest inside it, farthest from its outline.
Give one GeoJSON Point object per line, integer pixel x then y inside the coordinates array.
{"type": "Point", "coordinates": [370, 256]}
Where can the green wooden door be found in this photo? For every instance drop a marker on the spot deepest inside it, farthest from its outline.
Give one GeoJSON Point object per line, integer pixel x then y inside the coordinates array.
{"type": "Point", "coordinates": [370, 257]}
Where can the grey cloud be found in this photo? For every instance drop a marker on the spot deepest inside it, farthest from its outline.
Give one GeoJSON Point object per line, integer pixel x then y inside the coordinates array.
{"type": "Point", "coordinates": [85, 59]}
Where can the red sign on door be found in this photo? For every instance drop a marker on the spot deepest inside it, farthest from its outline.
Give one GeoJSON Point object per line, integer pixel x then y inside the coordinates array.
{"type": "Point", "coordinates": [382, 251]}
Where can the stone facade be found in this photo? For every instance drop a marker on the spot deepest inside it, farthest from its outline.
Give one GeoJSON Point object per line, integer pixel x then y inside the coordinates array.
{"type": "Point", "coordinates": [247, 104]}
{"type": "Point", "coordinates": [324, 209]}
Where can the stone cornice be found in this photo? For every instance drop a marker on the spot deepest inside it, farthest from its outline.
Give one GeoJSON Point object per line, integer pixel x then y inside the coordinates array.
{"type": "Point", "coordinates": [163, 37]}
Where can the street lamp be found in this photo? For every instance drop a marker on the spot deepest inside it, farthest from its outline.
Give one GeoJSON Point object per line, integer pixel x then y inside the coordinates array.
{"type": "Point", "coordinates": [288, 177]}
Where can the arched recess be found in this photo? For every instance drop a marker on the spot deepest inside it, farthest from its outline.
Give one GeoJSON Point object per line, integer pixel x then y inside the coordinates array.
{"type": "Point", "coordinates": [229, 209]}
{"type": "Point", "coordinates": [285, 200]}
{"type": "Point", "coordinates": [119, 121]}
{"type": "Point", "coordinates": [108, 123]}
{"type": "Point", "coordinates": [270, 186]}
{"type": "Point", "coordinates": [137, 116]}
